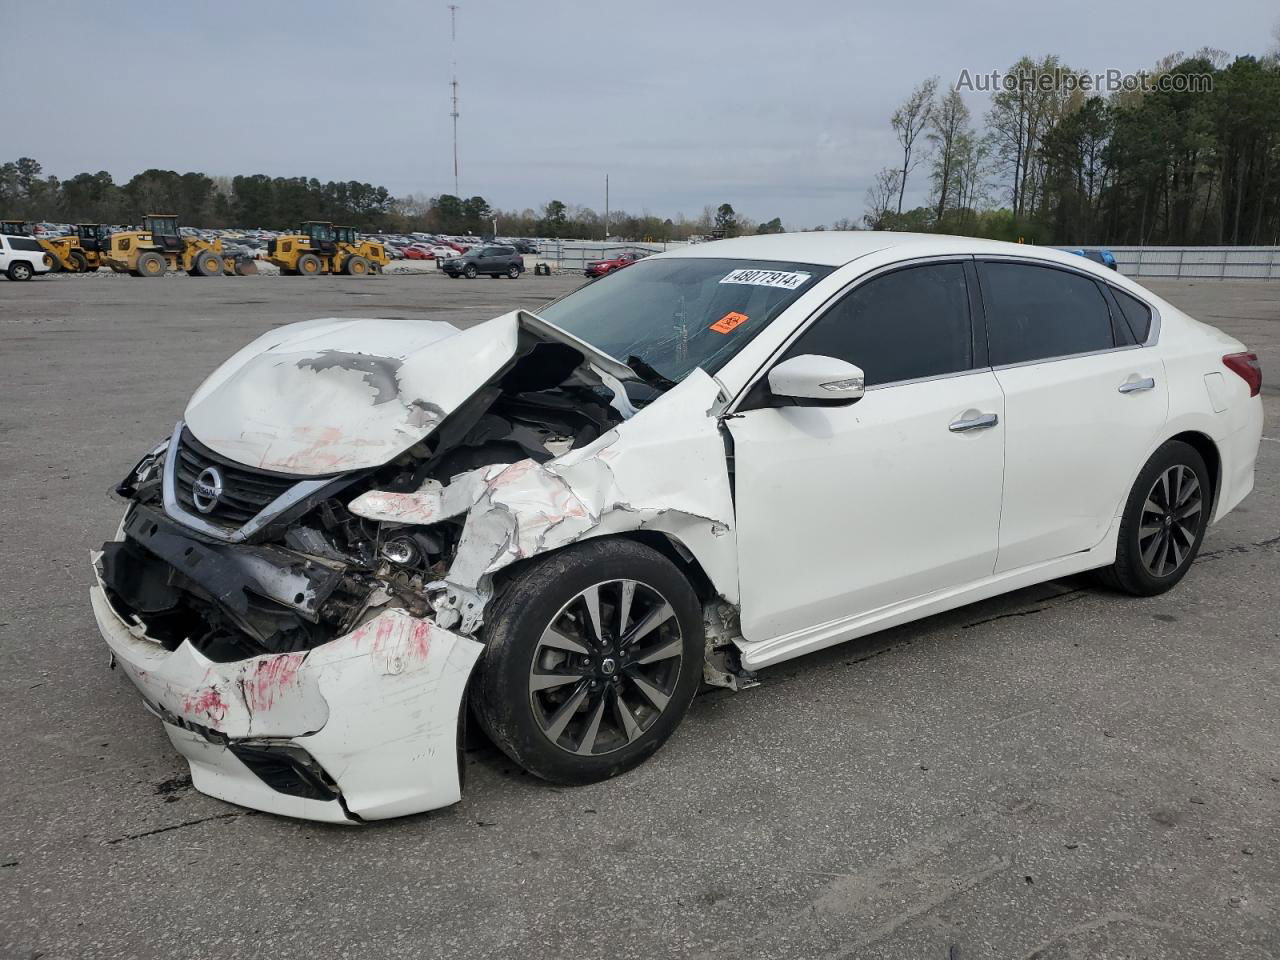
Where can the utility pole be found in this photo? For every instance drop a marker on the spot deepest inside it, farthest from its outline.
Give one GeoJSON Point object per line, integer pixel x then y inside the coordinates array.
{"type": "Point", "coordinates": [606, 208]}
{"type": "Point", "coordinates": [453, 48]}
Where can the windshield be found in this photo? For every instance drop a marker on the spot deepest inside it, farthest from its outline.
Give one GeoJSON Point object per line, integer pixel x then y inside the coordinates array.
{"type": "Point", "coordinates": [663, 318]}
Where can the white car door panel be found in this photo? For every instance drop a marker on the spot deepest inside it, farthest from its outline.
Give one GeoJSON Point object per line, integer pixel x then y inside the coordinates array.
{"type": "Point", "coordinates": [1077, 431]}
{"type": "Point", "coordinates": [1084, 403]}
{"type": "Point", "coordinates": [843, 510]}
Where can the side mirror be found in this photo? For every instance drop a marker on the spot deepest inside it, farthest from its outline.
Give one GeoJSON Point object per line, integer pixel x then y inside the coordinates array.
{"type": "Point", "coordinates": [812, 380]}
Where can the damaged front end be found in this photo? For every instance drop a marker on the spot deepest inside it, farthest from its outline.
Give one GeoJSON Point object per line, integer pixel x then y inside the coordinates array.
{"type": "Point", "coordinates": [300, 579]}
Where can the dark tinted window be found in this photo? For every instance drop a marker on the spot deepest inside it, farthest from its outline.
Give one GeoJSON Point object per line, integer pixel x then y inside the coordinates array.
{"type": "Point", "coordinates": [1035, 313]}
{"type": "Point", "coordinates": [1136, 313]}
{"type": "Point", "coordinates": [907, 324]}
{"type": "Point", "coordinates": [25, 243]}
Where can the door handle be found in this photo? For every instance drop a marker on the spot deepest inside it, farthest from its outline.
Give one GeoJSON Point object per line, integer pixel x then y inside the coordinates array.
{"type": "Point", "coordinates": [1137, 386]}
{"type": "Point", "coordinates": [980, 422]}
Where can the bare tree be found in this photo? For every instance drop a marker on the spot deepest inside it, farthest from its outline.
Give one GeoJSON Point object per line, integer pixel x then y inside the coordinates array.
{"type": "Point", "coordinates": [880, 196]}
{"type": "Point", "coordinates": [1018, 120]}
{"type": "Point", "coordinates": [909, 121]}
{"type": "Point", "coordinates": [948, 124]}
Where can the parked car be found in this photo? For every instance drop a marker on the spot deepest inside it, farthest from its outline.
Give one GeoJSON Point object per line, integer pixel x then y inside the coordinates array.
{"type": "Point", "coordinates": [1100, 255]}
{"type": "Point", "coordinates": [416, 252]}
{"type": "Point", "coordinates": [362, 531]}
{"type": "Point", "coordinates": [599, 268]}
{"type": "Point", "coordinates": [495, 261]}
{"type": "Point", "coordinates": [21, 258]}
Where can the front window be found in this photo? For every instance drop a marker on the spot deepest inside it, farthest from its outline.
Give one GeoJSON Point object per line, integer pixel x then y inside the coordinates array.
{"type": "Point", "coordinates": [666, 317]}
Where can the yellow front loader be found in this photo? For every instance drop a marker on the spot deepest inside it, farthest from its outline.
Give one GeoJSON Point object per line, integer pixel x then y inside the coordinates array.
{"type": "Point", "coordinates": [320, 247]}
{"type": "Point", "coordinates": [160, 247]}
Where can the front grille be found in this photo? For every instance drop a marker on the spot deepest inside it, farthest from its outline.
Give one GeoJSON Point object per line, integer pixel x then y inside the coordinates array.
{"type": "Point", "coordinates": [245, 491]}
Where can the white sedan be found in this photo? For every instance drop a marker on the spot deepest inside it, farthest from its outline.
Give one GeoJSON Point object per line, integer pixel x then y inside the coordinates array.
{"type": "Point", "coordinates": [708, 463]}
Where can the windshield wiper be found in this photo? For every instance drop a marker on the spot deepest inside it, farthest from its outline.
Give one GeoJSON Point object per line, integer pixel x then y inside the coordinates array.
{"type": "Point", "coordinates": [648, 374]}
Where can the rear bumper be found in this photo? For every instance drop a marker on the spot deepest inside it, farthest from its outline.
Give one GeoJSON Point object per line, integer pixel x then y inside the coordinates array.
{"type": "Point", "coordinates": [363, 727]}
{"type": "Point", "coordinates": [1239, 451]}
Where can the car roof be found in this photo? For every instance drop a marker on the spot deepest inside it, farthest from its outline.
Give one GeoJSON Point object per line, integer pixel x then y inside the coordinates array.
{"type": "Point", "coordinates": [836, 248]}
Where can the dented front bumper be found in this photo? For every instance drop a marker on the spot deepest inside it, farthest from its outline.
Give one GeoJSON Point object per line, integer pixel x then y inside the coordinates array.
{"type": "Point", "coordinates": [363, 727]}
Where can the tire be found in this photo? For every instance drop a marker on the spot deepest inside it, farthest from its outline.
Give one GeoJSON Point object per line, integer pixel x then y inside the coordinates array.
{"type": "Point", "coordinates": [55, 265]}
{"type": "Point", "coordinates": [207, 263]}
{"type": "Point", "coordinates": [20, 270]}
{"type": "Point", "coordinates": [513, 272]}
{"type": "Point", "coordinates": [539, 727]}
{"type": "Point", "coordinates": [309, 265]}
{"type": "Point", "coordinates": [356, 267]}
{"type": "Point", "coordinates": [470, 272]}
{"type": "Point", "coordinates": [1153, 553]}
{"type": "Point", "coordinates": [80, 261]}
{"type": "Point", "coordinates": [151, 264]}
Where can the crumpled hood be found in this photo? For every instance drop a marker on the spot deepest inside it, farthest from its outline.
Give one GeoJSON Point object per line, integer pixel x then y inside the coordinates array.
{"type": "Point", "coordinates": [332, 395]}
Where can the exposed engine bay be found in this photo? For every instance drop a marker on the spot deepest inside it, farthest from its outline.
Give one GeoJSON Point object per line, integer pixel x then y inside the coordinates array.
{"type": "Point", "coordinates": [315, 569]}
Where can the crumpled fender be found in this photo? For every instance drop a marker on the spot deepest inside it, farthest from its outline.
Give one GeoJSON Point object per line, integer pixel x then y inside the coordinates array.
{"type": "Point", "coordinates": [664, 469]}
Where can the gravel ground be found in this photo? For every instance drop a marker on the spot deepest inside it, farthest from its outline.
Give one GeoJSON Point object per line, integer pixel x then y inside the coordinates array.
{"type": "Point", "coordinates": [1058, 773]}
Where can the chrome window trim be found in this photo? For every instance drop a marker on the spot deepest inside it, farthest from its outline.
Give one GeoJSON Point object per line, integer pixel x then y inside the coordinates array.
{"type": "Point", "coordinates": [822, 309]}
{"type": "Point", "coordinates": [298, 492]}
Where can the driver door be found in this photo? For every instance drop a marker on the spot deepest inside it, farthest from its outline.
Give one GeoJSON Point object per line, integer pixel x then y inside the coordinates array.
{"type": "Point", "coordinates": [845, 511]}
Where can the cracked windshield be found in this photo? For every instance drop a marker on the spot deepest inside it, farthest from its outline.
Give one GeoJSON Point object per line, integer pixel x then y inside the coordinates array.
{"type": "Point", "coordinates": [663, 318]}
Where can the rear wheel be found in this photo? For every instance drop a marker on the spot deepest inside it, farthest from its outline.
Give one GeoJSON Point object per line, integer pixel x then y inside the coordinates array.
{"type": "Point", "coordinates": [309, 265]}
{"type": "Point", "coordinates": [79, 261]}
{"type": "Point", "coordinates": [356, 266]}
{"type": "Point", "coordinates": [151, 264]}
{"type": "Point", "coordinates": [1164, 522]}
{"type": "Point", "coordinates": [513, 272]}
{"type": "Point", "coordinates": [19, 270]}
{"type": "Point", "coordinates": [592, 656]}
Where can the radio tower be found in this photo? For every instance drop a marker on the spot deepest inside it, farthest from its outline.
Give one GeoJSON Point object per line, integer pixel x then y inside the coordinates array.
{"type": "Point", "coordinates": [453, 49]}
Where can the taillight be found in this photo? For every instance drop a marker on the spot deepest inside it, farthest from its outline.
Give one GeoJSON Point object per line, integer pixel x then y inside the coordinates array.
{"type": "Point", "coordinates": [1249, 369]}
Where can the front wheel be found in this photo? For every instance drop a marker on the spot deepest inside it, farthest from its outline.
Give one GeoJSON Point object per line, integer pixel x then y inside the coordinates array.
{"type": "Point", "coordinates": [592, 656]}
{"type": "Point", "coordinates": [1164, 522]}
{"type": "Point", "coordinates": [470, 272]}
{"type": "Point", "coordinates": [309, 265]}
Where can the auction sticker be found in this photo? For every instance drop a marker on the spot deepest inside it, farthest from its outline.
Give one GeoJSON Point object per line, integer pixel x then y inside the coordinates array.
{"type": "Point", "coordinates": [768, 278]}
{"type": "Point", "coordinates": [730, 321]}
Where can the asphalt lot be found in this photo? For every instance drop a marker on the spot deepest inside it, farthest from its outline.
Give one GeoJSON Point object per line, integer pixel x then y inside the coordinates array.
{"type": "Point", "coordinates": [1058, 773]}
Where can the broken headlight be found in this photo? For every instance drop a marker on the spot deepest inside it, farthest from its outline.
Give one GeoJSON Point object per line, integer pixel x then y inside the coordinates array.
{"type": "Point", "coordinates": [144, 471]}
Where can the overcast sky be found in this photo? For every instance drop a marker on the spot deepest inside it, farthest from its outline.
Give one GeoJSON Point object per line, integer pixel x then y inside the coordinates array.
{"type": "Point", "coordinates": [780, 108]}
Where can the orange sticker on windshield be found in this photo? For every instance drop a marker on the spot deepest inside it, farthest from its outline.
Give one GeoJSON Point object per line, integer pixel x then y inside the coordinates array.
{"type": "Point", "coordinates": [730, 321]}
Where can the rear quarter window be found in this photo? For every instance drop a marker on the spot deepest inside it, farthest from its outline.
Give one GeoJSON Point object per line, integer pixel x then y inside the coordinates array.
{"type": "Point", "coordinates": [1136, 314]}
{"type": "Point", "coordinates": [25, 243]}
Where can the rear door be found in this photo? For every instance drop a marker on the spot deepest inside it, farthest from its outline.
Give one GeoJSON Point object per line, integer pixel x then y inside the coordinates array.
{"type": "Point", "coordinates": [842, 511]}
{"type": "Point", "coordinates": [1083, 402]}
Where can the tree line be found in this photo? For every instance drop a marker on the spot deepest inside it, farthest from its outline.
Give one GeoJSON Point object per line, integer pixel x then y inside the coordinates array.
{"type": "Point", "coordinates": [197, 198]}
{"type": "Point", "coordinates": [1189, 153]}
{"type": "Point", "coordinates": [259, 201]}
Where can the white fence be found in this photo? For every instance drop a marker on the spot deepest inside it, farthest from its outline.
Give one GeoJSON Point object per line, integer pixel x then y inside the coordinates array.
{"type": "Point", "coordinates": [574, 255]}
{"type": "Point", "coordinates": [1208, 263]}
